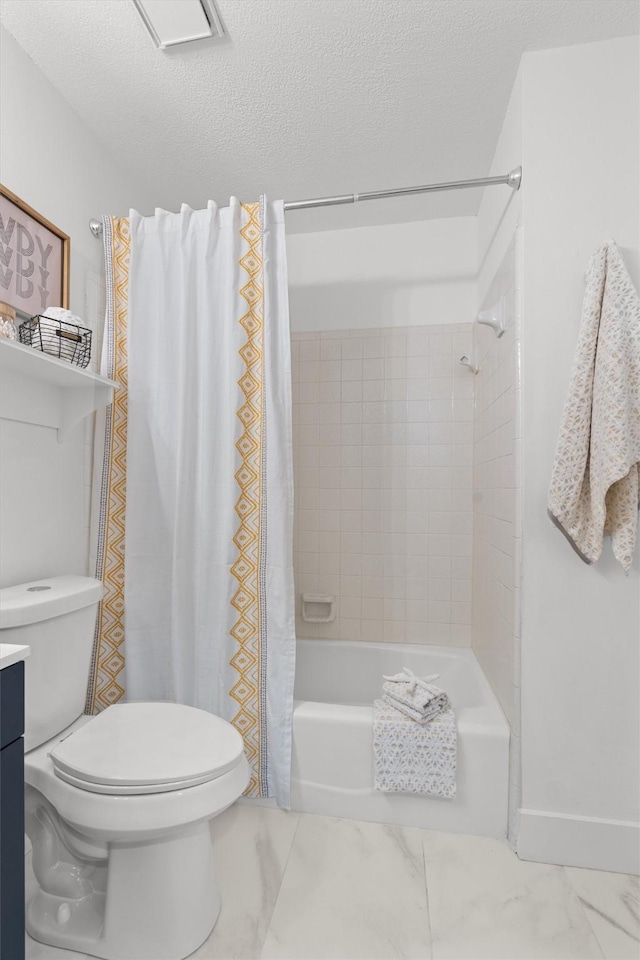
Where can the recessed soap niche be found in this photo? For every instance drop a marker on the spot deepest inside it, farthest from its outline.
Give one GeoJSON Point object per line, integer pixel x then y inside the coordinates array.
{"type": "Point", "coordinates": [318, 608]}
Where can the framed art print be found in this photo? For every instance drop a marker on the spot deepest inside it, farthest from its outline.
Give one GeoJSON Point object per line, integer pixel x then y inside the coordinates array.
{"type": "Point", "coordinates": [34, 258]}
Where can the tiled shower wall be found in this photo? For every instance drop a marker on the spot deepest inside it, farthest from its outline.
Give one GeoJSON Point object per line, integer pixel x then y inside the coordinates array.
{"type": "Point", "coordinates": [497, 528]}
{"type": "Point", "coordinates": [383, 453]}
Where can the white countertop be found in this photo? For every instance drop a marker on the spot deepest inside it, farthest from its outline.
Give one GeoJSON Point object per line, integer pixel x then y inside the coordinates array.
{"type": "Point", "coordinates": [11, 653]}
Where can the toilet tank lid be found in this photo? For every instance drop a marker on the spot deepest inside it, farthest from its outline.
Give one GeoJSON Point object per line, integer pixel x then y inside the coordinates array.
{"type": "Point", "coordinates": [44, 599]}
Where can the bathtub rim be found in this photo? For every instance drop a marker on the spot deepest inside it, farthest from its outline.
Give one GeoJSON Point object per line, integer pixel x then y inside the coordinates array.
{"type": "Point", "coordinates": [487, 717]}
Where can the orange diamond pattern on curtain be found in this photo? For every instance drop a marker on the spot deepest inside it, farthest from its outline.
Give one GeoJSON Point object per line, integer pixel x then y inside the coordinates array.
{"type": "Point", "coordinates": [246, 630]}
{"type": "Point", "coordinates": [107, 661]}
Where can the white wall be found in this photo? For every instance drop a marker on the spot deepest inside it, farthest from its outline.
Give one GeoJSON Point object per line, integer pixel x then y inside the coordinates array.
{"type": "Point", "coordinates": [396, 275]}
{"type": "Point", "coordinates": [496, 616]}
{"type": "Point", "coordinates": [497, 534]}
{"type": "Point", "coordinates": [581, 624]}
{"type": "Point", "coordinates": [50, 160]}
{"type": "Point", "coordinates": [572, 123]}
{"type": "Point", "coordinates": [501, 208]}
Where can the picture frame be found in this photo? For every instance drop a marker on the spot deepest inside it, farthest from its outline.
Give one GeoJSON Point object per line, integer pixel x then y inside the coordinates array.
{"type": "Point", "coordinates": [34, 258]}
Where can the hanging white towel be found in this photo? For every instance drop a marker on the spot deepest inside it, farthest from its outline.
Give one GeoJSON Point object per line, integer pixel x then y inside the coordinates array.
{"type": "Point", "coordinates": [414, 757]}
{"type": "Point", "coordinates": [594, 486]}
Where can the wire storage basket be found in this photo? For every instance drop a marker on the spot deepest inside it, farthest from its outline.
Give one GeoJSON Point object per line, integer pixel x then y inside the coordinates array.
{"type": "Point", "coordinates": [57, 338]}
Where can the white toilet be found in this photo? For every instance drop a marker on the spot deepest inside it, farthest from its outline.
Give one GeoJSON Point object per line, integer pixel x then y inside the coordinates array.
{"type": "Point", "coordinates": [117, 805]}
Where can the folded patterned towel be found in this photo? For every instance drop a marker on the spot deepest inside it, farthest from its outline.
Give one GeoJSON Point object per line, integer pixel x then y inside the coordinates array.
{"type": "Point", "coordinates": [437, 706]}
{"type": "Point", "coordinates": [414, 757]}
{"type": "Point", "coordinates": [415, 696]}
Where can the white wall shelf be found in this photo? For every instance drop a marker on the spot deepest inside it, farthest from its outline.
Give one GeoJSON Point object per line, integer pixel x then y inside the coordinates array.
{"type": "Point", "coordinates": [36, 388]}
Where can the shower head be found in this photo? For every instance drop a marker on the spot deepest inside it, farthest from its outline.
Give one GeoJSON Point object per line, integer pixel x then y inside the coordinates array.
{"type": "Point", "coordinates": [494, 317]}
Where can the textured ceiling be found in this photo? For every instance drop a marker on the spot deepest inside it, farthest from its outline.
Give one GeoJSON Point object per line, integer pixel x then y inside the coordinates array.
{"type": "Point", "coordinates": [306, 97]}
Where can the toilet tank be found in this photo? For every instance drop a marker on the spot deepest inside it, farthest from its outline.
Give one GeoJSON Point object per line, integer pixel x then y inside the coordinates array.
{"type": "Point", "coordinates": [56, 617]}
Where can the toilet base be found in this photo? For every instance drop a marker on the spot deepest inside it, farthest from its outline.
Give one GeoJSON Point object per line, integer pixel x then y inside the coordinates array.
{"type": "Point", "coordinates": [150, 900]}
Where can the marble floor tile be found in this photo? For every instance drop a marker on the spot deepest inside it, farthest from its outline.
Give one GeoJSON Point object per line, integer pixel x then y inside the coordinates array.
{"type": "Point", "coordinates": [486, 904]}
{"type": "Point", "coordinates": [301, 887]}
{"type": "Point", "coordinates": [351, 891]}
{"type": "Point", "coordinates": [612, 904]}
{"type": "Point", "coordinates": [41, 951]}
{"type": "Point", "coordinates": [251, 845]}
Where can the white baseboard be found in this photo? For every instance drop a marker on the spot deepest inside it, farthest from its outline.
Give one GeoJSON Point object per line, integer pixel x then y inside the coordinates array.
{"type": "Point", "coordinates": [572, 841]}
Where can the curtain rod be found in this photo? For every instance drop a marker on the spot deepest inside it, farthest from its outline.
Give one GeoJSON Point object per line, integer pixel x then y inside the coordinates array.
{"type": "Point", "coordinates": [512, 179]}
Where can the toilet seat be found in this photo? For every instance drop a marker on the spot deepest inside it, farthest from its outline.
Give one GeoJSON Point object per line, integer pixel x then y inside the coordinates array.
{"type": "Point", "coordinates": [146, 748]}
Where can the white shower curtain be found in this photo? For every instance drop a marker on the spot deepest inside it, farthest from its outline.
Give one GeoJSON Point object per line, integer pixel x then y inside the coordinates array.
{"type": "Point", "coordinates": [209, 602]}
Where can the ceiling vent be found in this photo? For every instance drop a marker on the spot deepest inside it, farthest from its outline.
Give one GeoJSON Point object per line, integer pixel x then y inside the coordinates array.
{"type": "Point", "coordinates": [172, 22]}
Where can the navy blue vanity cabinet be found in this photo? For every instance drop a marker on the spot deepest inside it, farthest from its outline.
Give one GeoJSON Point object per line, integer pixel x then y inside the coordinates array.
{"type": "Point", "coordinates": [12, 812]}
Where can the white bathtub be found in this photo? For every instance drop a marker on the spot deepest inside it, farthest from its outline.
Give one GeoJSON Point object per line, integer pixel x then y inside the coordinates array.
{"type": "Point", "coordinates": [336, 684]}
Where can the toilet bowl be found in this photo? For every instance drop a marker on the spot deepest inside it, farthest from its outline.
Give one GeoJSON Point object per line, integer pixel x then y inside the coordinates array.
{"type": "Point", "coordinates": [117, 806]}
{"type": "Point", "coordinates": [117, 810]}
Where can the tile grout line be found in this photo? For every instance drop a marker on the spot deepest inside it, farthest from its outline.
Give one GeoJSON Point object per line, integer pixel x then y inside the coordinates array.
{"type": "Point", "coordinates": [426, 888]}
{"type": "Point", "coordinates": [298, 814]}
